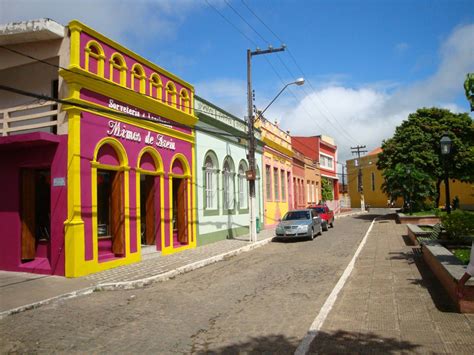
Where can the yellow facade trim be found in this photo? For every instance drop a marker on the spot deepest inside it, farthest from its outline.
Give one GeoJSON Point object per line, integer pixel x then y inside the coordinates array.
{"type": "Point", "coordinates": [79, 26]}
{"type": "Point", "coordinates": [278, 147]}
{"type": "Point", "coordinates": [100, 57]}
{"type": "Point", "coordinates": [74, 225]}
{"type": "Point", "coordinates": [107, 88]}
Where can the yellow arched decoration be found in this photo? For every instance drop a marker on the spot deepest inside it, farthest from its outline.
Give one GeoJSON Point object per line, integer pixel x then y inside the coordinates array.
{"type": "Point", "coordinates": [94, 265]}
{"type": "Point", "coordinates": [171, 94]}
{"type": "Point", "coordinates": [159, 172]}
{"type": "Point", "coordinates": [155, 82]}
{"type": "Point", "coordinates": [184, 100]}
{"type": "Point", "coordinates": [156, 158]}
{"type": "Point", "coordinates": [138, 72]}
{"type": "Point", "coordinates": [100, 57]}
{"type": "Point", "coordinates": [119, 149]}
{"type": "Point", "coordinates": [190, 200]}
{"type": "Point", "coordinates": [184, 161]}
{"type": "Point", "coordinates": [121, 67]}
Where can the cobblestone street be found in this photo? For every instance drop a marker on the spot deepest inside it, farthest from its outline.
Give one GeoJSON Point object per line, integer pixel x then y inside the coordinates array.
{"type": "Point", "coordinates": [263, 300]}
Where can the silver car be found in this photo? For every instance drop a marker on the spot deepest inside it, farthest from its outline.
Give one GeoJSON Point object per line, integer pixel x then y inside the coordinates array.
{"type": "Point", "coordinates": [299, 224]}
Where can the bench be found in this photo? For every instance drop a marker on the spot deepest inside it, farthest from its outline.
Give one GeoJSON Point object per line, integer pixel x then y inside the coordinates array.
{"type": "Point", "coordinates": [434, 234]}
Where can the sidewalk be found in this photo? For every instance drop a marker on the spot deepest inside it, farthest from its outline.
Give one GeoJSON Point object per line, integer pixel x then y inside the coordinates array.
{"type": "Point", "coordinates": [391, 303]}
{"type": "Point", "coordinates": [22, 291]}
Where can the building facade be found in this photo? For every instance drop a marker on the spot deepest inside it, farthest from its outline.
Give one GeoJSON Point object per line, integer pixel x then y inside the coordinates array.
{"type": "Point", "coordinates": [321, 150]}
{"type": "Point", "coordinates": [277, 166]}
{"type": "Point", "coordinates": [299, 181]}
{"type": "Point", "coordinates": [221, 166]}
{"type": "Point", "coordinates": [112, 168]}
{"type": "Point", "coordinates": [363, 173]}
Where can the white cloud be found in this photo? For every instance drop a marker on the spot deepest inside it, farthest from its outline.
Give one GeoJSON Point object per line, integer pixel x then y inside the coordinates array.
{"type": "Point", "coordinates": [129, 22]}
{"type": "Point", "coordinates": [230, 94]}
{"type": "Point", "coordinates": [369, 114]}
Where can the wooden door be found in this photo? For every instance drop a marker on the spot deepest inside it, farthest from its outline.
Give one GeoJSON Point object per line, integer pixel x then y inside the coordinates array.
{"type": "Point", "coordinates": [150, 210]}
{"type": "Point", "coordinates": [181, 210]}
{"type": "Point", "coordinates": [28, 220]}
{"type": "Point", "coordinates": [117, 215]}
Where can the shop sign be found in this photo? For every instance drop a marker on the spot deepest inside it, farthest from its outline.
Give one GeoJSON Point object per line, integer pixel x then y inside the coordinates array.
{"type": "Point", "coordinates": [137, 113]}
{"type": "Point", "coordinates": [59, 181]}
{"type": "Point", "coordinates": [119, 130]}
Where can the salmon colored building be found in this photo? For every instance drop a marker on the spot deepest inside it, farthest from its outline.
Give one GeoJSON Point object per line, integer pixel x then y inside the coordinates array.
{"type": "Point", "coordinates": [105, 171]}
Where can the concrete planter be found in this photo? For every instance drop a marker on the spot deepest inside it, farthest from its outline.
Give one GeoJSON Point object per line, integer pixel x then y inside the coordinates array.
{"type": "Point", "coordinates": [448, 269]}
{"type": "Point", "coordinates": [405, 219]}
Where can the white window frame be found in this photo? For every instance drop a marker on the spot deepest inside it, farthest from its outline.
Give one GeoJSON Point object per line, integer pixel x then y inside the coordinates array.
{"type": "Point", "coordinates": [210, 184]}
{"type": "Point", "coordinates": [324, 160]}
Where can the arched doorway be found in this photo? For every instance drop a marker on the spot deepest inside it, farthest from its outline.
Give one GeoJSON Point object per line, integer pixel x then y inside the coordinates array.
{"type": "Point", "coordinates": [180, 201]}
{"type": "Point", "coordinates": [149, 176]}
{"type": "Point", "coordinates": [109, 163]}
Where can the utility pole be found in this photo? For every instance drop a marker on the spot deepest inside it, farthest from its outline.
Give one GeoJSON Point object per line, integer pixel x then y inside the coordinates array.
{"type": "Point", "coordinates": [251, 173]}
{"type": "Point", "coordinates": [358, 150]}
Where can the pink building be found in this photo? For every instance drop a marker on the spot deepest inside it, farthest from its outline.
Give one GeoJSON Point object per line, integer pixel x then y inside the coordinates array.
{"type": "Point", "coordinates": [101, 173]}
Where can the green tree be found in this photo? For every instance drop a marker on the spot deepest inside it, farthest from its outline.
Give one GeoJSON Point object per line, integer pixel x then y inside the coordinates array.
{"type": "Point", "coordinates": [415, 144]}
{"type": "Point", "coordinates": [469, 89]}
{"type": "Point", "coordinates": [326, 187]}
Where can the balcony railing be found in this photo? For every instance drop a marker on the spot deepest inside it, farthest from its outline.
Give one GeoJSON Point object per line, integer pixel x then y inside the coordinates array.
{"type": "Point", "coordinates": [35, 117]}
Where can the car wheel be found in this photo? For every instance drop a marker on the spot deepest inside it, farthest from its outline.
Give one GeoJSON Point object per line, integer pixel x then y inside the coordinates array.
{"type": "Point", "coordinates": [332, 224]}
{"type": "Point", "coordinates": [312, 234]}
{"type": "Point", "coordinates": [325, 227]}
{"type": "Point", "coordinates": [320, 230]}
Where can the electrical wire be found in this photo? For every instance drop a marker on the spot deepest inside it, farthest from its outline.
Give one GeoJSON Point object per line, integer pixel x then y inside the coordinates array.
{"type": "Point", "coordinates": [113, 112]}
{"type": "Point", "coordinates": [342, 129]}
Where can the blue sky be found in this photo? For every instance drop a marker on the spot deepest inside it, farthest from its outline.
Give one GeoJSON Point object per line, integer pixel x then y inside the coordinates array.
{"type": "Point", "coordinates": [367, 63]}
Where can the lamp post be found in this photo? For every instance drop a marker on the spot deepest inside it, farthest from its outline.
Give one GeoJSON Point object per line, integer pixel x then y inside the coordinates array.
{"type": "Point", "coordinates": [410, 185]}
{"type": "Point", "coordinates": [446, 144]}
{"type": "Point", "coordinates": [251, 173]}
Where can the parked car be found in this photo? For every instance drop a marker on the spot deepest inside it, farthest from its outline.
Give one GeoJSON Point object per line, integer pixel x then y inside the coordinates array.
{"type": "Point", "coordinates": [299, 224]}
{"type": "Point", "coordinates": [326, 214]}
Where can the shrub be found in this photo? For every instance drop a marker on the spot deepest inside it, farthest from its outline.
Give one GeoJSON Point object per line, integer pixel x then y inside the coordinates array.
{"type": "Point", "coordinates": [459, 224]}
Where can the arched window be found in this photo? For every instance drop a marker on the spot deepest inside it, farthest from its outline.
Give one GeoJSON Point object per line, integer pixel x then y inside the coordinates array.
{"type": "Point", "coordinates": [138, 77]}
{"type": "Point", "coordinates": [184, 100]}
{"type": "Point", "coordinates": [210, 181]}
{"type": "Point", "coordinates": [156, 87]}
{"type": "Point", "coordinates": [243, 195]}
{"type": "Point", "coordinates": [171, 94]}
{"type": "Point", "coordinates": [118, 70]}
{"type": "Point", "coordinates": [94, 58]}
{"type": "Point", "coordinates": [228, 184]}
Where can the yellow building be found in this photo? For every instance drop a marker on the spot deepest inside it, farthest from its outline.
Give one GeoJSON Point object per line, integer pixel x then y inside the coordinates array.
{"type": "Point", "coordinates": [372, 181]}
{"type": "Point", "coordinates": [277, 171]}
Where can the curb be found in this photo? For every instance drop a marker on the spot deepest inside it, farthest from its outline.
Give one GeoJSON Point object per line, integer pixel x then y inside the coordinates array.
{"type": "Point", "coordinates": [74, 294]}
{"type": "Point", "coordinates": [130, 285]}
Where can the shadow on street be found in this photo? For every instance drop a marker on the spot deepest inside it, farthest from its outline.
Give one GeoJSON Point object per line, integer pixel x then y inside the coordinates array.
{"type": "Point", "coordinates": [338, 342]}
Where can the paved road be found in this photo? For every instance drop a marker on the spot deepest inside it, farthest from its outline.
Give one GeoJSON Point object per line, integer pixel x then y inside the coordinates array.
{"type": "Point", "coordinates": [264, 300]}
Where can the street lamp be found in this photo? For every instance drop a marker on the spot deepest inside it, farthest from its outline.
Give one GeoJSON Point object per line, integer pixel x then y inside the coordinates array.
{"type": "Point", "coordinates": [251, 173]}
{"type": "Point", "coordinates": [446, 144]}
{"type": "Point", "coordinates": [299, 82]}
{"type": "Point", "coordinates": [409, 191]}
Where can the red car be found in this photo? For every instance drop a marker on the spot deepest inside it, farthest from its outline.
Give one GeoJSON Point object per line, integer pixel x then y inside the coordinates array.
{"type": "Point", "coordinates": [327, 215]}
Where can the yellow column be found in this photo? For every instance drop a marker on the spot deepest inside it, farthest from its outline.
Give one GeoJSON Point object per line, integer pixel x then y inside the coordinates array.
{"type": "Point", "coordinates": [74, 225]}
{"type": "Point", "coordinates": [75, 29]}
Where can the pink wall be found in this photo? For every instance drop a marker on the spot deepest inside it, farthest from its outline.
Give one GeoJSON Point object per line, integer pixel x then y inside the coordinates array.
{"type": "Point", "coordinates": [35, 150]}
{"type": "Point", "coordinates": [93, 129]}
{"type": "Point", "coordinates": [109, 51]}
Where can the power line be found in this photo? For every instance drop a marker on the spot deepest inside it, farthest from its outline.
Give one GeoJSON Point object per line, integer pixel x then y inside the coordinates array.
{"type": "Point", "coordinates": [101, 80]}
{"type": "Point", "coordinates": [342, 129]}
{"type": "Point", "coordinates": [109, 111]}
